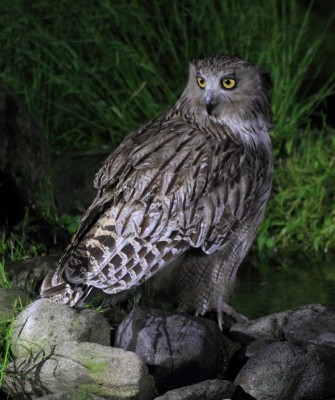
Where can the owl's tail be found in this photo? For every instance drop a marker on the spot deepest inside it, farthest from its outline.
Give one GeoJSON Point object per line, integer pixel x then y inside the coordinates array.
{"type": "Point", "coordinates": [57, 289]}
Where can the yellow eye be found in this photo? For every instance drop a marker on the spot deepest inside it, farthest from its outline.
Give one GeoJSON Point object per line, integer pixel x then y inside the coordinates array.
{"type": "Point", "coordinates": [228, 83]}
{"type": "Point", "coordinates": [201, 82]}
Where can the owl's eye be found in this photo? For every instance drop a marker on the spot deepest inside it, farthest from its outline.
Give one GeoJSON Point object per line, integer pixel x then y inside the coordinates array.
{"type": "Point", "coordinates": [201, 82]}
{"type": "Point", "coordinates": [228, 83]}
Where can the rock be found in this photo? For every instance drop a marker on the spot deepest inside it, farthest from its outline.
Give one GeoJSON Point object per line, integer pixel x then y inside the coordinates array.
{"type": "Point", "coordinates": [29, 273]}
{"type": "Point", "coordinates": [314, 327]}
{"type": "Point", "coordinates": [240, 394]}
{"type": "Point", "coordinates": [206, 390]}
{"type": "Point", "coordinates": [80, 369]}
{"type": "Point", "coordinates": [45, 323]}
{"type": "Point", "coordinates": [272, 326]}
{"type": "Point", "coordinates": [310, 323]}
{"type": "Point", "coordinates": [66, 396]}
{"type": "Point", "coordinates": [179, 349]}
{"type": "Point", "coordinates": [284, 370]}
{"type": "Point", "coordinates": [8, 298]}
{"type": "Point", "coordinates": [256, 346]}
{"type": "Point", "coordinates": [24, 159]}
{"type": "Point", "coordinates": [325, 344]}
{"type": "Point", "coordinates": [57, 396]}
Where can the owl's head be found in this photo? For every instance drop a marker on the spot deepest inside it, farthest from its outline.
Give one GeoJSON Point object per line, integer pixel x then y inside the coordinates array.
{"type": "Point", "coordinates": [223, 87]}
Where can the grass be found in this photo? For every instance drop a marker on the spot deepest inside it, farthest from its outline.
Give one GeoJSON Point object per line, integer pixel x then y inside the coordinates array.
{"type": "Point", "coordinates": [301, 211]}
{"type": "Point", "coordinates": [6, 325]}
{"type": "Point", "coordinates": [5, 338]}
{"type": "Point", "coordinates": [16, 244]}
{"type": "Point", "coordinates": [5, 328]}
{"type": "Point", "coordinates": [4, 281]}
{"type": "Point", "coordinates": [90, 73]}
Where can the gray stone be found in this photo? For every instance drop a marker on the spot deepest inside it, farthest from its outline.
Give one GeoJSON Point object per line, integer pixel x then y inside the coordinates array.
{"type": "Point", "coordinates": [179, 349]}
{"type": "Point", "coordinates": [326, 339]}
{"type": "Point", "coordinates": [256, 346]}
{"type": "Point", "coordinates": [29, 273]}
{"type": "Point", "coordinates": [56, 396]}
{"type": "Point", "coordinates": [206, 390]}
{"type": "Point", "coordinates": [67, 396]}
{"type": "Point", "coordinates": [45, 323]}
{"type": "Point", "coordinates": [314, 327]}
{"type": "Point", "coordinates": [287, 371]}
{"type": "Point", "coordinates": [11, 300]}
{"type": "Point", "coordinates": [80, 369]}
{"type": "Point", "coordinates": [325, 345]}
{"type": "Point", "coordinates": [272, 326]}
{"type": "Point", "coordinates": [310, 323]}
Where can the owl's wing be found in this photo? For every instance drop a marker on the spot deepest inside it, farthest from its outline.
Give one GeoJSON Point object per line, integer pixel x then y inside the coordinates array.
{"type": "Point", "coordinates": [167, 188]}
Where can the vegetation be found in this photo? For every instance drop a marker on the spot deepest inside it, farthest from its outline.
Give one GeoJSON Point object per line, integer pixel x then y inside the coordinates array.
{"type": "Point", "coordinates": [90, 73]}
{"type": "Point", "coordinates": [5, 335]}
{"type": "Point", "coordinates": [6, 323]}
{"type": "Point", "coordinates": [301, 211]}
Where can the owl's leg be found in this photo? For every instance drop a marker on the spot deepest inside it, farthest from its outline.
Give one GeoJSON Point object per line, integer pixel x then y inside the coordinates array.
{"type": "Point", "coordinates": [204, 282]}
{"type": "Point", "coordinates": [199, 283]}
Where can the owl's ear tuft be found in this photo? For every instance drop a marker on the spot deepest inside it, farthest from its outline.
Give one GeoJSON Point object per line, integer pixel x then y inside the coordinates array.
{"type": "Point", "coordinates": [192, 69]}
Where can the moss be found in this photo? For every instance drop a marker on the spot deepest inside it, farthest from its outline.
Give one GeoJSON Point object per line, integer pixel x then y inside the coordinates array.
{"type": "Point", "coordinates": [85, 391]}
{"type": "Point", "coordinates": [96, 367]}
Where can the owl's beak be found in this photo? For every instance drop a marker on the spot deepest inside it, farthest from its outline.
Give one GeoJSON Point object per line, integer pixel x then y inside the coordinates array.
{"type": "Point", "coordinates": [211, 103]}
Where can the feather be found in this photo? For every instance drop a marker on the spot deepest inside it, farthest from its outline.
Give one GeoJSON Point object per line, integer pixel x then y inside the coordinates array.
{"type": "Point", "coordinates": [183, 181]}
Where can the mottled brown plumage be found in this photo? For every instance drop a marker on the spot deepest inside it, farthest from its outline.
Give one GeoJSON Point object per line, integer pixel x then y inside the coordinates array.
{"type": "Point", "coordinates": [197, 177]}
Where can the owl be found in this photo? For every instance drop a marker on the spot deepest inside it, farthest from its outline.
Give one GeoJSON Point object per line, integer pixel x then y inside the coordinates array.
{"type": "Point", "coordinates": [181, 197]}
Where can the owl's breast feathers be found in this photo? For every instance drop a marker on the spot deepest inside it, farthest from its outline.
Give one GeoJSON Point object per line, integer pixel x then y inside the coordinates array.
{"type": "Point", "coordinates": [168, 187]}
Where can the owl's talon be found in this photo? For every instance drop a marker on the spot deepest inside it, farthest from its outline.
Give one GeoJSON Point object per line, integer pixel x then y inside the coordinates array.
{"type": "Point", "coordinates": [230, 311]}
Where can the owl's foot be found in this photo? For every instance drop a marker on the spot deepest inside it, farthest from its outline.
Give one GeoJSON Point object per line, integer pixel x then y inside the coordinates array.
{"type": "Point", "coordinates": [226, 309]}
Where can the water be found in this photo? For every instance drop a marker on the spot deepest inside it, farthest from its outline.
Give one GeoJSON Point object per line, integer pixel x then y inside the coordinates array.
{"type": "Point", "coordinates": [268, 288]}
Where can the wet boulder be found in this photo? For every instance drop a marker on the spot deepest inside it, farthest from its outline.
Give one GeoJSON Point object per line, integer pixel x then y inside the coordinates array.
{"type": "Point", "coordinates": [179, 349]}
{"type": "Point", "coordinates": [286, 371]}
{"type": "Point", "coordinates": [206, 390]}
{"type": "Point", "coordinates": [313, 326]}
{"type": "Point", "coordinates": [273, 326]}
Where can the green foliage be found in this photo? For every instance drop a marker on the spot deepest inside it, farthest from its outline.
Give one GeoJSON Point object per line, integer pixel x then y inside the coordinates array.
{"type": "Point", "coordinates": [6, 325]}
{"type": "Point", "coordinates": [92, 72]}
{"type": "Point", "coordinates": [16, 244]}
{"type": "Point", "coordinates": [5, 336]}
{"type": "Point", "coordinates": [301, 211]}
{"type": "Point", "coordinates": [4, 281]}
{"type": "Point", "coordinates": [6, 330]}
{"type": "Point", "coordinates": [69, 223]}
